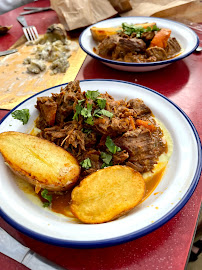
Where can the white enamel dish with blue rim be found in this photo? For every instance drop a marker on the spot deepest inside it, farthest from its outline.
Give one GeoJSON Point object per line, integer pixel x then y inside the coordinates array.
{"type": "Point", "coordinates": [174, 190]}
{"type": "Point", "coordinates": [187, 38]}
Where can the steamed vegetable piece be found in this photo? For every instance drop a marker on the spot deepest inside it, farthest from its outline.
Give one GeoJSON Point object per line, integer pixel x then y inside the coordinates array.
{"type": "Point", "coordinates": [39, 161]}
{"type": "Point", "coordinates": [107, 194]}
{"type": "Point", "coordinates": [146, 124]}
{"type": "Point", "coordinates": [161, 38]}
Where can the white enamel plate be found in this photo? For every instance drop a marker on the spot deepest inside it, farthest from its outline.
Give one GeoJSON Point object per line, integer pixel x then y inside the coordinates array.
{"type": "Point", "coordinates": [187, 38]}
{"type": "Point", "coordinates": [172, 193]}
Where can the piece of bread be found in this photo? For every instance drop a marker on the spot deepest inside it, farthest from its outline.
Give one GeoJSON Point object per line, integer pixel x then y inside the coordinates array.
{"type": "Point", "coordinates": [107, 194]}
{"type": "Point", "coordinates": [39, 161]}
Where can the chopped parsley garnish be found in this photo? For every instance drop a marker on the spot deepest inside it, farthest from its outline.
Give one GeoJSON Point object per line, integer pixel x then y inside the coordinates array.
{"type": "Point", "coordinates": [96, 113]}
{"type": "Point", "coordinates": [101, 102]}
{"type": "Point", "coordinates": [111, 145]}
{"type": "Point", "coordinates": [106, 113]}
{"type": "Point", "coordinates": [86, 110]}
{"type": "Point", "coordinates": [86, 163]}
{"type": "Point", "coordinates": [46, 196]}
{"type": "Point", "coordinates": [78, 111]}
{"type": "Point", "coordinates": [104, 165]}
{"type": "Point", "coordinates": [106, 157]}
{"type": "Point", "coordinates": [128, 29]}
{"type": "Point", "coordinates": [99, 112]}
{"type": "Point", "coordinates": [92, 94]}
{"type": "Point", "coordinates": [89, 121]}
{"type": "Point", "coordinates": [81, 101]}
{"type": "Point", "coordinates": [22, 115]}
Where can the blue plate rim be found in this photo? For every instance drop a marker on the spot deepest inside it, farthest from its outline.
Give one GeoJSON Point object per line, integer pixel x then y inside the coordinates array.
{"type": "Point", "coordinates": [119, 63]}
{"type": "Point", "coordinates": [131, 236]}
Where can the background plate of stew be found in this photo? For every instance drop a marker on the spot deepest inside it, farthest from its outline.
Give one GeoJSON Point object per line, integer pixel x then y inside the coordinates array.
{"type": "Point", "coordinates": [186, 37]}
{"type": "Point", "coordinates": [169, 196]}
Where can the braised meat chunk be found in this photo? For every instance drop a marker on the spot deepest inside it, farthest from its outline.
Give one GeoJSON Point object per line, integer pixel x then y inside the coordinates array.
{"type": "Point", "coordinates": [173, 47]}
{"type": "Point", "coordinates": [48, 107]}
{"type": "Point", "coordinates": [157, 52]}
{"type": "Point", "coordinates": [143, 147]}
{"type": "Point", "coordinates": [108, 45]}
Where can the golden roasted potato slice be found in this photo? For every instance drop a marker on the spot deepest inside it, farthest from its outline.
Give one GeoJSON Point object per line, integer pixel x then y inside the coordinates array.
{"type": "Point", "coordinates": [107, 194]}
{"type": "Point", "coordinates": [39, 161]}
{"type": "Point", "coordinates": [99, 34]}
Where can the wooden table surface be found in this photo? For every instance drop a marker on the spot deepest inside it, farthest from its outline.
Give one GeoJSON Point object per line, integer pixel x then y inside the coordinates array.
{"type": "Point", "coordinates": [166, 248]}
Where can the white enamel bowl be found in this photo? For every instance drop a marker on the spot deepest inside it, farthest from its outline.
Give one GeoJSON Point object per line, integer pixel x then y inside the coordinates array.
{"type": "Point", "coordinates": [172, 193]}
{"type": "Point", "coordinates": [187, 38]}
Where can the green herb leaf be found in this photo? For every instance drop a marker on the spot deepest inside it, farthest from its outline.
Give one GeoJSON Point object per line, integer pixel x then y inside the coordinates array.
{"type": "Point", "coordinates": [106, 165]}
{"type": "Point", "coordinates": [111, 145]}
{"type": "Point", "coordinates": [106, 157]}
{"type": "Point", "coordinates": [47, 197]}
{"type": "Point", "coordinates": [106, 113]}
{"type": "Point", "coordinates": [129, 29]}
{"type": "Point", "coordinates": [81, 101]}
{"type": "Point", "coordinates": [46, 204]}
{"type": "Point", "coordinates": [155, 28]}
{"type": "Point", "coordinates": [86, 112]}
{"type": "Point", "coordinates": [86, 163]}
{"type": "Point", "coordinates": [78, 111]}
{"type": "Point", "coordinates": [101, 102]}
{"type": "Point", "coordinates": [99, 112]}
{"type": "Point", "coordinates": [89, 121]}
{"type": "Point", "coordinates": [92, 94]}
{"type": "Point", "coordinates": [22, 115]}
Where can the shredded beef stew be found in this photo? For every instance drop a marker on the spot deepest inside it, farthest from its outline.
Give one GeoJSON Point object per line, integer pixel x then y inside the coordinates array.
{"type": "Point", "coordinates": [100, 131]}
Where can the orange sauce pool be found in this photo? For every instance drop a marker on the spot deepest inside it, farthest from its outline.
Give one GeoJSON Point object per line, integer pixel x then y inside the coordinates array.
{"type": "Point", "coordinates": [153, 183]}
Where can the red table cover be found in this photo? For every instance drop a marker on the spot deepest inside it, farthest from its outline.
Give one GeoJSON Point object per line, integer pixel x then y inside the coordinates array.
{"type": "Point", "coordinates": [166, 248]}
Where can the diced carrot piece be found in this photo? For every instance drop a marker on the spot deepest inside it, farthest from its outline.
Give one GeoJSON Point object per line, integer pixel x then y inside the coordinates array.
{"type": "Point", "coordinates": [146, 124]}
{"type": "Point", "coordinates": [161, 38]}
{"type": "Point", "coordinates": [132, 122]}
